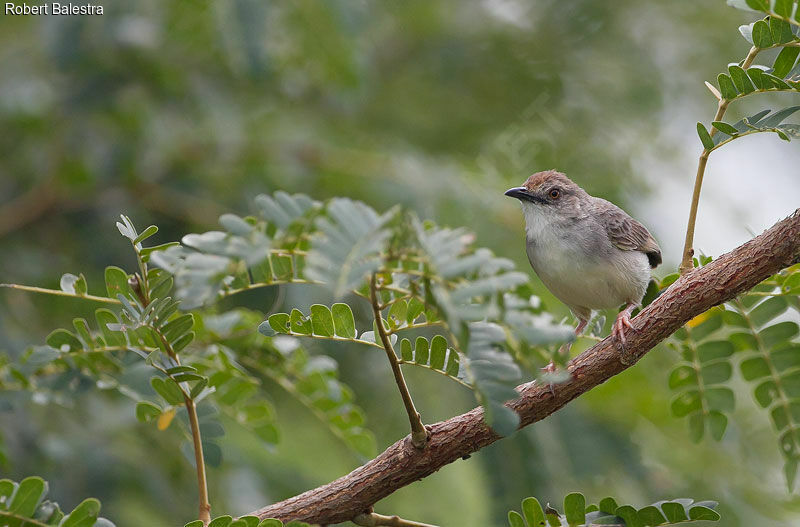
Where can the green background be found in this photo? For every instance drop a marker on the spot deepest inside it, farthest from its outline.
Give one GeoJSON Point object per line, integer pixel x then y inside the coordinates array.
{"type": "Point", "coordinates": [176, 112]}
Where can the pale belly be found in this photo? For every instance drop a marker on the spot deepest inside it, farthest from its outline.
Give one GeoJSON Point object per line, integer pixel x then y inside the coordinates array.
{"type": "Point", "coordinates": [587, 281]}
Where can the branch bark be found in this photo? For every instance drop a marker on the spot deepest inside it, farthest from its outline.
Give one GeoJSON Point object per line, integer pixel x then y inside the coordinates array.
{"type": "Point", "coordinates": [402, 464]}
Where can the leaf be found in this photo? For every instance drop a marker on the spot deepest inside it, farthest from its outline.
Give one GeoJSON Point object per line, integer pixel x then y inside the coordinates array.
{"type": "Point", "coordinates": [494, 375]}
{"type": "Point", "coordinates": [27, 497]}
{"type": "Point", "coordinates": [84, 515]}
{"type": "Point", "coordinates": [725, 127]}
{"type": "Point", "coordinates": [64, 341]}
{"type": "Point", "coordinates": [705, 137]}
{"type": "Point", "coordinates": [726, 87]}
{"type": "Point", "coordinates": [148, 232]}
{"type": "Point", "coordinates": [168, 390]}
{"type": "Point", "coordinates": [785, 61]}
{"type": "Point", "coordinates": [674, 512]}
{"type": "Point", "coordinates": [116, 282]}
{"type": "Point", "coordinates": [147, 411]}
{"type": "Point", "coordinates": [348, 245]}
{"type": "Point", "coordinates": [534, 514]}
{"type": "Point", "coordinates": [343, 321]}
{"type": "Point", "coordinates": [740, 79]}
{"type": "Point", "coordinates": [762, 36]}
{"type": "Point", "coordinates": [698, 513]}
{"type": "Point", "coordinates": [515, 519]}
{"type": "Point", "coordinates": [575, 508]}
{"type": "Point", "coordinates": [75, 285]}
{"type": "Point", "coordinates": [322, 321]}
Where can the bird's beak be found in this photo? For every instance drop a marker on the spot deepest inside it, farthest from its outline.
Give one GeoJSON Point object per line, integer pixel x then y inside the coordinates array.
{"type": "Point", "coordinates": [523, 194]}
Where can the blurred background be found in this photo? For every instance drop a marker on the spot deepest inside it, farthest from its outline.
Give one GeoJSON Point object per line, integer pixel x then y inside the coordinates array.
{"type": "Point", "coordinates": [176, 112]}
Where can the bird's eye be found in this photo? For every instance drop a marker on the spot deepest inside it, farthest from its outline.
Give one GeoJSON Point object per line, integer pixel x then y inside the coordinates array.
{"type": "Point", "coordinates": [554, 193]}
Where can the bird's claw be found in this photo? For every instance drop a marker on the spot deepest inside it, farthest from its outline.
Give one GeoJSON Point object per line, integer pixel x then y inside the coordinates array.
{"type": "Point", "coordinates": [622, 323]}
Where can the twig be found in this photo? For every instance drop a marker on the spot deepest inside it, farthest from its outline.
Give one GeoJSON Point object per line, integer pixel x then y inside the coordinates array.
{"type": "Point", "coordinates": [722, 106]}
{"type": "Point", "coordinates": [374, 520]}
{"type": "Point", "coordinates": [204, 514]}
{"type": "Point", "coordinates": [692, 294]}
{"type": "Point", "coordinates": [419, 435]}
{"type": "Point", "coordinates": [58, 292]}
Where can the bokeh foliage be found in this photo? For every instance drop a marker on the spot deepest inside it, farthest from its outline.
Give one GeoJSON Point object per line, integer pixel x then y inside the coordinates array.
{"type": "Point", "coordinates": [179, 112]}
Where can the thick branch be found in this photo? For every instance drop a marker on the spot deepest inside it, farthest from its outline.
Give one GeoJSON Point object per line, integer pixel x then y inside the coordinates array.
{"type": "Point", "coordinates": [402, 464]}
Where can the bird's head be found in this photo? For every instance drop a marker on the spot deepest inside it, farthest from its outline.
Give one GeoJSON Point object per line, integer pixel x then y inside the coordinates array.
{"type": "Point", "coordinates": [548, 193]}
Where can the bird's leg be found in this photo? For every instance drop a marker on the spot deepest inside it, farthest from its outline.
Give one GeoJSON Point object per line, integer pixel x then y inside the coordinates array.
{"type": "Point", "coordinates": [564, 350]}
{"type": "Point", "coordinates": [622, 323]}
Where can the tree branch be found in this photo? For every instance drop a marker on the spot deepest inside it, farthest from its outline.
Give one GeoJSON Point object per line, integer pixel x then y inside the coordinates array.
{"type": "Point", "coordinates": [402, 464]}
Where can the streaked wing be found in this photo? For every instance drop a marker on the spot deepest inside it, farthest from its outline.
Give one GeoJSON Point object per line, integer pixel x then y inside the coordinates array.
{"type": "Point", "coordinates": [627, 233]}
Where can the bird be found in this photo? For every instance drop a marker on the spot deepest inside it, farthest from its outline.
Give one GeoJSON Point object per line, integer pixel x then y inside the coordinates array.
{"type": "Point", "coordinates": [587, 251]}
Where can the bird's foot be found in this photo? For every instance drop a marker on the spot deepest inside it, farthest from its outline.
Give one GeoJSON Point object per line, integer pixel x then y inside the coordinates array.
{"type": "Point", "coordinates": [621, 324]}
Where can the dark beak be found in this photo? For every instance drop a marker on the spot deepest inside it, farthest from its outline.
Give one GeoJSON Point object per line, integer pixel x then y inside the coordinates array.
{"type": "Point", "coordinates": [521, 193]}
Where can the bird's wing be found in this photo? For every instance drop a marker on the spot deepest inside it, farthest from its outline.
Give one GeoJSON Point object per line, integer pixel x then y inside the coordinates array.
{"type": "Point", "coordinates": [627, 233]}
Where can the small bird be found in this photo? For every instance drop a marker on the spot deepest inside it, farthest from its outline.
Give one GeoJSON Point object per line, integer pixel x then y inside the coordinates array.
{"type": "Point", "coordinates": [587, 251]}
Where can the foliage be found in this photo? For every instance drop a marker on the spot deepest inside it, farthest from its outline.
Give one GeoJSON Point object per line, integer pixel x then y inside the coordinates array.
{"type": "Point", "coordinates": [23, 504]}
{"type": "Point", "coordinates": [458, 311]}
{"type": "Point", "coordinates": [243, 521]}
{"type": "Point", "coordinates": [607, 512]}
{"type": "Point", "coordinates": [750, 335]}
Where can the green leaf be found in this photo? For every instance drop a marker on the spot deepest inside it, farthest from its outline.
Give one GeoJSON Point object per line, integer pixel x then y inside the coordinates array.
{"type": "Point", "coordinates": [715, 349]}
{"type": "Point", "coordinates": [778, 333]}
{"type": "Point", "coordinates": [168, 390]}
{"type": "Point", "coordinates": [415, 309]}
{"type": "Point", "coordinates": [149, 231]}
{"type": "Point", "coordinates": [438, 352]}
{"type": "Point", "coordinates": [299, 323]}
{"type": "Point", "coordinates": [705, 137]}
{"type": "Point", "coordinates": [650, 515]}
{"type": "Point", "coordinates": [279, 322]}
{"type": "Point", "coordinates": [515, 519]}
{"type": "Point", "coordinates": [575, 508]}
{"type": "Point", "coordinates": [221, 521]}
{"type": "Point", "coordinates": [721, 399]}
{"type": "Point", "coordinates": [698, 513]}
{"type": "Point", "coordinates": [740, 79]}
{"type": "Point", "coordinates": [762, 36]}
{"type": "Point", "coordinates": [785, 61]}
{"type": "Point", "coordinates": [322, 321]}
{"type": "Point", "coordinates": [533, 512]}
{"type": "Point", "coordinates": [725, 127]}
{"type": "Point", "coordinates": [755, 368]}
{"type": "Point", "coordinates": [683, 375]}
{"type": "Point", "coordinates": [84, 515]}
{"type": "Point", "coordinates": [674, 512]}
{"type": "Point", "coordinates": [716, 373]}
{"type": "Point", "coordinates": [726, 87]}
{"type": "Point", "coordinates": [29, 494]}
{"type": "Point", "coordinates": [343, 321]}
{"type": "Point", "coordinates": [116, 282]}
{"type": "Point", "coordinates": [147, 411]}
{"type": "Point", "coordinates": [270, 522]}
{"type": "Point", "coordinates": [64, 341]}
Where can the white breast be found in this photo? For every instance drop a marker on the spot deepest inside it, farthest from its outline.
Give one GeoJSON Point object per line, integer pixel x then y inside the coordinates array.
{"type": "Point", "coordinates": [584, 271]}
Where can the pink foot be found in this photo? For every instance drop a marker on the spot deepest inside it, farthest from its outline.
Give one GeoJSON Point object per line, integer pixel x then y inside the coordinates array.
{"type": "Point", "coordinates": [622, 323]}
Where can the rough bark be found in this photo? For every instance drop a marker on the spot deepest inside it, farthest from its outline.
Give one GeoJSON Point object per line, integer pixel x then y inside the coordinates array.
{"type": "Point", "coordinates": [401, 463]}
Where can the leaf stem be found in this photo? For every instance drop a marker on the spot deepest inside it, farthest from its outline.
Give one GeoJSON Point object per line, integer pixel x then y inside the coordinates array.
{"type": "Point", "coordinates": [197, 442]}
{"type": "Point", "coordinates": [373, 519]}
{"type": "Point", "coordinates": [722, 106]}
{"type": "Point", "coordinates": [419, 435]}
{"type": "Point", "coordinates": [58, 292]}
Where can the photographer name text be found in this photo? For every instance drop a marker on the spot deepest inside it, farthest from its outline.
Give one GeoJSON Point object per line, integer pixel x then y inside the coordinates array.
{"type": "Point", "coordinates": [53, 8]}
